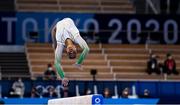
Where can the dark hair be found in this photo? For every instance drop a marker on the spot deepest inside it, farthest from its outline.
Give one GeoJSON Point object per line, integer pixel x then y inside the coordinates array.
{"type": "Point", "coordinates": [49, 65]}
{"type": "Point", "coordinates": [72, 54]}
{"type": "Point", "coordinates": [168, 54]}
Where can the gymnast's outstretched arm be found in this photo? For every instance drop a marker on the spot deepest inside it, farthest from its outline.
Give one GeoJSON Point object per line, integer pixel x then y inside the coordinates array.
{"type": "Point", "coordinates": [81, 42]}
{"type": "Point", "coordinates": [58, 57]}
{"type": "Point", "coordinates": [58, 53]}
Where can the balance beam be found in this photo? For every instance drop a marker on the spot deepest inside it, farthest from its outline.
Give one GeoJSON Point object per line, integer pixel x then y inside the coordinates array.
{"type": "Point", "coordinates": [78, 100]}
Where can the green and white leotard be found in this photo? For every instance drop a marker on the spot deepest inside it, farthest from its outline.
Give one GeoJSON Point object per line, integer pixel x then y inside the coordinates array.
{"type": "Point", "coordinates": [67, 29]}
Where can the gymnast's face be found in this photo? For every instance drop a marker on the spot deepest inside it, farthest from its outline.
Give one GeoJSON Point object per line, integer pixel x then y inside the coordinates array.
{"type": "Point", "coordinates": [71, 51]}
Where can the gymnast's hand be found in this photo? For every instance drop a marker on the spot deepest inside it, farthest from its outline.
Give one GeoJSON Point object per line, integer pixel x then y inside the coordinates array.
{"type": "Point", "coordinates": [65, 82]}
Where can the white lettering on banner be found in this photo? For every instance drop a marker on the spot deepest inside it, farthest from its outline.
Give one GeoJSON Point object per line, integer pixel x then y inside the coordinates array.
{"type": "Point", "coordinates": [91, 21]}
{"type": "Point", "coordinates": [112, 38]}
{"type": "Point", "coordinates": [132, 26]}
{"type": "Point", "coordinates": [154, 23]}
{"type": "Point", "coordinates": [25, 31]}
{"type": "Point", "coordinates": [9, 21]}
{"type": "Point", "coordinates": [48, 28]}
{"type": "Point", "coordinates": [166, 32]}
{"type": "Point", "coordinates": [129, 31]}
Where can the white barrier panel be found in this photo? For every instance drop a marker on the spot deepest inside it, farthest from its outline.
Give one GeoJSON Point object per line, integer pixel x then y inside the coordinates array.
{"type": "Point", "coordinates": [78, 100]}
